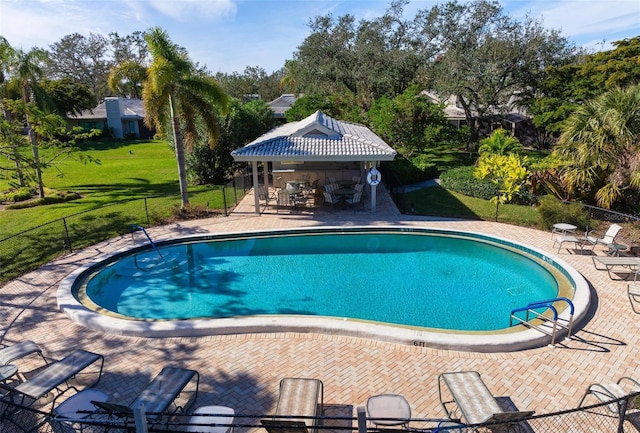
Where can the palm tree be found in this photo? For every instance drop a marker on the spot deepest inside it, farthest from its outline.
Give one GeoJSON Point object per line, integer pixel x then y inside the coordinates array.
{"type": "Point", "coordinates": [176, 91]}
{"type": "Point", "coordinates": [599, 144]}
{"type": "Point", "coordinates": [500, 143]}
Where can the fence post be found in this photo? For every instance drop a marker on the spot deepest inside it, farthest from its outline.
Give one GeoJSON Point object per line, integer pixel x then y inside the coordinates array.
{"type": "Point", "coordinates": [140, 419]}
{"type": "Point", "coordinates": [235, 193]}
{"type": "Point", "coordinates": [146, 211]}
{"type": "Point", "coordinates": [67, 239]}
{"type": "Point", "coordinates": [224, 201]}
{"type": "Point", "coordinates": [362, 420]}
{"type": "Point", "coordinates": [622, 409]}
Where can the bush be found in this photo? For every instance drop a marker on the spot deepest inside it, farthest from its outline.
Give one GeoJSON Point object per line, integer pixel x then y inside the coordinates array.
{"type": "Point", "coordinates": [52, 198]}
{"type": "Point", "coordinates": [552, 211]}
{"type": "Point", "coordinates": [462, 180]}
{"type": "Point", "coordinates": [14, 196]}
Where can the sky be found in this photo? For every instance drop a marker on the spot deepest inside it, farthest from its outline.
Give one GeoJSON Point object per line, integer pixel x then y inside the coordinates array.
{"type": "Point", "coordinates": [229, 35]}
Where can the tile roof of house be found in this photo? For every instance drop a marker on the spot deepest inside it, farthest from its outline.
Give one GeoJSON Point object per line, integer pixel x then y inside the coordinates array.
{"type": "Point", "coordinates": [129, 109]}
{"type": "Point", "coordinates": [317, 138]}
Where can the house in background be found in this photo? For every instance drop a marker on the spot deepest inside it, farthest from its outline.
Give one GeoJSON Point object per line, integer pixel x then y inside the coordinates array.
{"type": "Point", "coordinates": [281, 104]}
{"type": "Point", "coordinates": [121, 117]}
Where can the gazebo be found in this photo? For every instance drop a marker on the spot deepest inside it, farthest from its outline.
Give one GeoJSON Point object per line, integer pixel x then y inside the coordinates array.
{"type": "Point", "coordinates": [318, 146]}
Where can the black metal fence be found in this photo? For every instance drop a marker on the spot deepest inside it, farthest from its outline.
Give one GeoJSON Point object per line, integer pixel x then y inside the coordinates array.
{"type": "Point", "coordinates": [25, 251]}
{"type": "Point", "coordinates": [616, 416]}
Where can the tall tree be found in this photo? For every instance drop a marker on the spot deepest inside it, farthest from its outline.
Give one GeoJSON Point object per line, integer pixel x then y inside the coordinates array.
{"type": "Point", "coordinates": [486, 57]}
{"type": "Point", "coordinates": [600, 149]}
{"type": "Point", "coordinates": [83, 60]}
{"type": "Point", "coordinates": [176, 92]}
{"type": "Point", "coordinates": [126, 78]}
{"type": "Point", "coordinates": [26, 72]}
{"type": "Point", "coordinates": [568, 86]}
{"type": "Point", "coordinates": [10, 141]}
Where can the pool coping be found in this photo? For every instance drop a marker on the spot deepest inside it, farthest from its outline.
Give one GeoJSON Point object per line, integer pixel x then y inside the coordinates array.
{"type": "Point", "coordinates": [525, 338]}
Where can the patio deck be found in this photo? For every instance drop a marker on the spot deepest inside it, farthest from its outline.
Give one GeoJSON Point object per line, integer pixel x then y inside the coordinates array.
{"type": "Point", "coordinates": [243, 371]}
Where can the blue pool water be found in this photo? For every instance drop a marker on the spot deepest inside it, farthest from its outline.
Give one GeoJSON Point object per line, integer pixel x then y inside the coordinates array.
{"type": "Point", "coordinates": [415, 279]}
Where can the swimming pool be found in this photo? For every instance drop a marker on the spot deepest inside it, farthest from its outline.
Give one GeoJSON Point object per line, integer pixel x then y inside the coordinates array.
{"type": "Point", "coordinates": [414, 280]}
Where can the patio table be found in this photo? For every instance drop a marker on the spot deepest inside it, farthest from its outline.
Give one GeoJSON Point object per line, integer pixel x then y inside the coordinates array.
{"type": "Point", "coordinates": [345, 192]}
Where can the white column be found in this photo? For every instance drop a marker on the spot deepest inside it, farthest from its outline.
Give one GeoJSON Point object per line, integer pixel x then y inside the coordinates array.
{"type": "Point", "coordinates": [254, 169]}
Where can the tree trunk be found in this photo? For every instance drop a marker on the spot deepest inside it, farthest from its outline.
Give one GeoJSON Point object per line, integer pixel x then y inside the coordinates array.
{"type": "Point", "coordinates": [471, 122]}
{"type": "Point", "coordinates": [36, 157]}
{"type": "Point", "coordinates": [177, 141]}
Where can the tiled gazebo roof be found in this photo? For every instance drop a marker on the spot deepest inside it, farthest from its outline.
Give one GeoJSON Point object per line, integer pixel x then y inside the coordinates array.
{"type": "Point", "coordinates": [317, 138]}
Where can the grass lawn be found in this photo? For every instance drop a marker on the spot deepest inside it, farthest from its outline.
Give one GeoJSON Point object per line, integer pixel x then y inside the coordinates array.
{"type": "Point", "coordinates": [112, 199]}
{"type": "Point", "coordinates": [127, 171]}
{"type": "Point", "coordinates": [437, 201]}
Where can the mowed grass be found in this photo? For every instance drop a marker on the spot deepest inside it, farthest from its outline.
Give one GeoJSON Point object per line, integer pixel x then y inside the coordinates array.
{"type": "Point", "coordinates": [127, 171]}
{"type": "Point", "coordinates": [112, 200]}
{"type": "Point", "coordinates": [437, 201]}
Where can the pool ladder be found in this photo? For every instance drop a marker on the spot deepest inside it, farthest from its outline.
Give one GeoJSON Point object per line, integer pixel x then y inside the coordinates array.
{"type": "Point", "coordinates": [134, 228]}
{"type": "Point", "coordinates": [556, 322]}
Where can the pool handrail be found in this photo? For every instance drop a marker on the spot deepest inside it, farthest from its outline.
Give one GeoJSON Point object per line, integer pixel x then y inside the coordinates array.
{"type": "Point", "coordinates": [142, 229]}
{"type": "Point", "coordinates": [571, 310]}
{"type": "Point", "coordinates": [547, 303]}
{"type": "Point", "coordinates": [530, 309]}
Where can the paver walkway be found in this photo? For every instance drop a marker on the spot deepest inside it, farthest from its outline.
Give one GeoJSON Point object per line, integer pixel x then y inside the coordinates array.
{"type": "Point", "coordinates": [243, 371]}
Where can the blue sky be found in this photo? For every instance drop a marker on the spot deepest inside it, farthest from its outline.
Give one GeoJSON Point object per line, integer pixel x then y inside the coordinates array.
{"type": "Point", "coordinates": [228, 35]}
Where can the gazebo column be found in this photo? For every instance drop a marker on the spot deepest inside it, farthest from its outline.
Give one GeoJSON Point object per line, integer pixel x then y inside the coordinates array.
{"type": "Point", "coordinates": [256, 197]}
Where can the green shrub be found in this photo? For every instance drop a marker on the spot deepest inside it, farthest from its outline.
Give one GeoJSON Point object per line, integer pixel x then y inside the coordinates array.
{"type": "Point", "coordinates": [14, 196]}
{"type": "Point", "coordinates": [56, 197]}
{"type": "Point", "coordinates": [552, 211]}
{"type": "Point", "coordinates": [462, 180]}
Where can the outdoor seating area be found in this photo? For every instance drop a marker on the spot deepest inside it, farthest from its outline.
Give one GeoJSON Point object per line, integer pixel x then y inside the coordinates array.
{"type": "Point", "coordinates": [306, 194]}
{"type": "Point", "coordinates": [611, 258]}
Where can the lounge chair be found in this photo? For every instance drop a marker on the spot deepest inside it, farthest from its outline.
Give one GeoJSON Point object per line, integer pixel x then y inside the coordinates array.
{"type": "Point", "coordinates": [631, 264]}
{"type": "Point", "coordinates": [20, 350]}
{"type": "Point", "coordinates": [474, 400]}
{"type": "Point", "coordinates": [563, 239]}
{"type": "Point", "coordinates": [633, 292]}
{"type": "Point", "coordinates": [299, 403]}
{"type": "Point", "coordinates": [607, 240]}
{"type": "Point", "coordinates": [53, 377]}
{"type": "Point", "coordinates": [606, 392]}
{"type": "Point", "coordinates": [157, 397]}
{"type": "Point", "coordinates": [165, 388]}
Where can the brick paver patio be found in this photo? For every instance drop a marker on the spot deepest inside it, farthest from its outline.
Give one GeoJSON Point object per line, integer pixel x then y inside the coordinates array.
{"type": "Point", "coordinates": [243, 371]}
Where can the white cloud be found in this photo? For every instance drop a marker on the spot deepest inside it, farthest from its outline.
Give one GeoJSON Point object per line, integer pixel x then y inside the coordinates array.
{"type": "Point", "coordinates": [588, 17]}
{"type": "Point", "coordinates": [186, 10]}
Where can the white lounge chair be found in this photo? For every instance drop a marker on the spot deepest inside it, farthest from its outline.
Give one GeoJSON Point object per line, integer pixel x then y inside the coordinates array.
{"type": "Point", "coordinates": [607, 240]}
{"type": "Point", "coordinates": [55, 376]}
{"type": "Point", "coordinates": [605, 392]}
{"type": "Point", "coordinates": [20, 350]}
{"type": "Point", "coordinates": [474, 400]}
{"type": "Point", "coordinates": [630, 265]}
{"type": "Point", "coordinates": [299, 397]}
